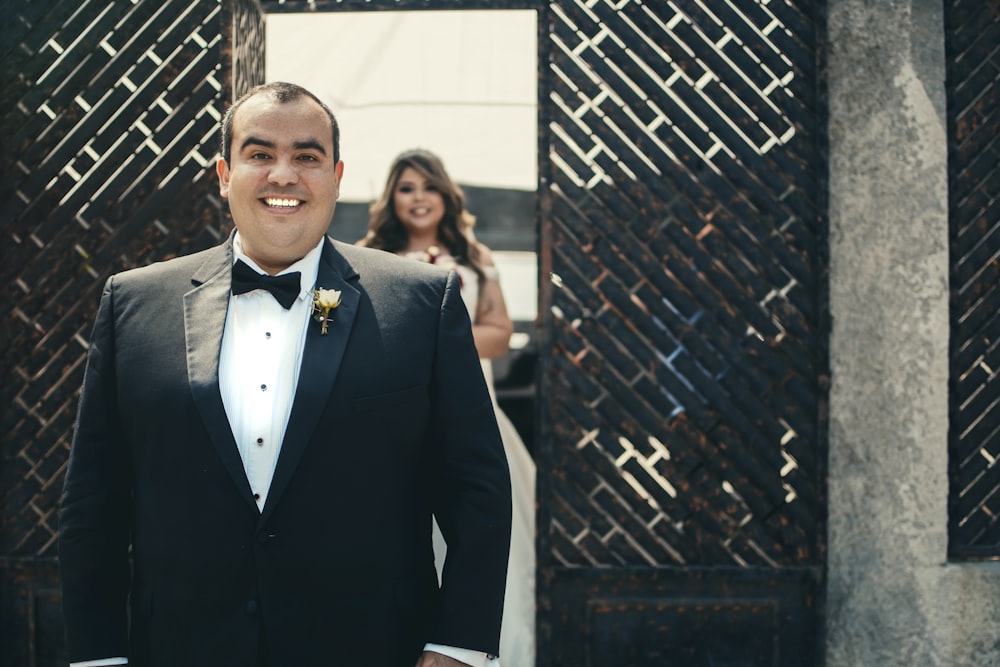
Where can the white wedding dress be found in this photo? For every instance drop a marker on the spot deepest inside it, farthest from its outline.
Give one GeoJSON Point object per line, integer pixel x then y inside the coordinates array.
{"type": "Point", "coordinates": [517, 634]}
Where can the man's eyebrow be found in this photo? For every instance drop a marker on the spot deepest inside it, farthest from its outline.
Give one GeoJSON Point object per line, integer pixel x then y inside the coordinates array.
{"type": "Point", "coordinates": [312, 143]}
{"type": "Point", "coordinates": [254, 141]}
{"type": "Point", "coordinates": [298, 145]}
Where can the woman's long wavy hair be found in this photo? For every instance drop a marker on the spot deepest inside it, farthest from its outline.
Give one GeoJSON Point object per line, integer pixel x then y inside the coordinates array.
{"type": "Point", "coordinates": [386, 232]}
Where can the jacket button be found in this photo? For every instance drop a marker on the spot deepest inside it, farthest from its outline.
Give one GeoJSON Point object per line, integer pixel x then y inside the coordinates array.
{"type": "Point", "coordinates": [251, 607]}
{"type": "Point", "coordinates": [265, 538]}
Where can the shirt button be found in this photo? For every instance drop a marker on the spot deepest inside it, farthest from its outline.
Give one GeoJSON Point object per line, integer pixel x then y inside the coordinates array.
{"type": "Point", "coordinates": [256, 496]}
{"type": "Point", "coordinates": [267, 334]}
{"type": "Point", "coordinates": [263, 387]}
{"type": "Point", "coordinates": [260, 441]}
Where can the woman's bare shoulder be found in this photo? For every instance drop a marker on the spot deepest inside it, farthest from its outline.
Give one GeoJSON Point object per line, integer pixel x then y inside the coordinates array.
{"type": "Point", "coordinates": [485, 254]}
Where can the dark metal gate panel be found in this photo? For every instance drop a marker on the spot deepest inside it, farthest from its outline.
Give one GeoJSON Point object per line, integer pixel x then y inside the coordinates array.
{"type": "Point", "coordinates": [110, 130]}
{"type": "Point", "coordinates": [972, 32]}
{"type": "Point", "coordinates": [683, 454]}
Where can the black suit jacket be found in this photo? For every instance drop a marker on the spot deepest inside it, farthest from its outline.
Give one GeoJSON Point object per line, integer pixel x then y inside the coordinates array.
{"type": "Point", "coordinates": [391, 422]}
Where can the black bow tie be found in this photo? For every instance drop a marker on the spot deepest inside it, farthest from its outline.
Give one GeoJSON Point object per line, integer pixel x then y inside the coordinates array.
{"type": "Point", "coordinates": [284, 288]}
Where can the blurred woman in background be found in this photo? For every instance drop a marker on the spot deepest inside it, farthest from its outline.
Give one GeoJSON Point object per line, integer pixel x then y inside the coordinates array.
{"type": "Point", "coordinates": [421, 215]}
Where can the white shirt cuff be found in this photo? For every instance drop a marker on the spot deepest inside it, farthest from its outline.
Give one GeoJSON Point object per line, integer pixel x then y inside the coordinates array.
{"type": "Point", "coordinates": [468, 656]}
{"type": "Point", "coordinates": [100, 663]}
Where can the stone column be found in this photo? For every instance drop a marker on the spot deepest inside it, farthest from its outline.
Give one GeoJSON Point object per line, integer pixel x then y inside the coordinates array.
{"type": "Point", "coordinates": [893, 599]}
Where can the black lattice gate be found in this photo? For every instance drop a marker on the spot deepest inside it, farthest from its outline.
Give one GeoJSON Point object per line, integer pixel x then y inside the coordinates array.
{"type": "Point", "coordinates": [972, 33]}
{"type": "Point", "coordinates": [682, 414]}
{"type": "Point", "coordinates": [110, 131]}
{"type": "Point", "coordinates": [684, 445]}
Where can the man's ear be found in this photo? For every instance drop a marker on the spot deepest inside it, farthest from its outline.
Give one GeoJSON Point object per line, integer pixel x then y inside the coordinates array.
{"type": "Point", "coordinates": [339, 170]}
{"type": "Point", "coordinates": [222, 168]}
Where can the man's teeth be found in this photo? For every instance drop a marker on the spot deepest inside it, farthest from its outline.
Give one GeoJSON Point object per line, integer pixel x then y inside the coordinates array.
{"type": "Point", "coordinates": [281, 203]}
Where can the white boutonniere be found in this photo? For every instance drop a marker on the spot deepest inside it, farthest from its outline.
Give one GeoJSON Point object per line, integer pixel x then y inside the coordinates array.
{"type": "Point", "coordinates": [324, 300]}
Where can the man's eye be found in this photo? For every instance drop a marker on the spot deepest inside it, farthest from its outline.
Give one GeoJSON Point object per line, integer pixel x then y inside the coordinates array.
{"type": "Point", "coordinates": [308, 158]}
{"type": "Point", "coordinates": [258, 156]}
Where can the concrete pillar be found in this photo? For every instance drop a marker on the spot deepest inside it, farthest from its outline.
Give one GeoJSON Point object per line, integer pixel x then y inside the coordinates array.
{"type": "Point", "coordinates": [893, 599]}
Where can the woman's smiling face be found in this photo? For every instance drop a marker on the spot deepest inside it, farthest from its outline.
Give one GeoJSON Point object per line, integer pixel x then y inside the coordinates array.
{"type": "Point", "coordinates": [418, 204]}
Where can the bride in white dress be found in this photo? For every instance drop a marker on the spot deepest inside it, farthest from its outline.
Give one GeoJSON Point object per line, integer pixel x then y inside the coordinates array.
{"type": "Point", "coordinates": [422, 215]}
{"type": "Point", "coordinates": [517, 632]}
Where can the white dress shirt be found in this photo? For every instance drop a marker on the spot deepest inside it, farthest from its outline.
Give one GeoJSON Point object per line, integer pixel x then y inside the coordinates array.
{"type": "Point", "coordinates": [259, 367]}
{"type": "Point", "coordinates": [258, 372]}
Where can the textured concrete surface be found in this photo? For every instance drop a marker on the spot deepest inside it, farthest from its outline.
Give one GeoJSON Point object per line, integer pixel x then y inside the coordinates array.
{"type": "Point", "coordinates": [892, 597]}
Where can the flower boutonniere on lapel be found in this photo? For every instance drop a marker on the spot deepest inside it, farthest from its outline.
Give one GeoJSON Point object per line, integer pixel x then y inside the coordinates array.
{"type": "Point", "coordinates": [324, 300]}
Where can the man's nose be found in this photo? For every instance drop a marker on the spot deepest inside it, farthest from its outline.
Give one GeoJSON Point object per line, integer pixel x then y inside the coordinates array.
{"type": "Point", "coordinates": [283, 172]}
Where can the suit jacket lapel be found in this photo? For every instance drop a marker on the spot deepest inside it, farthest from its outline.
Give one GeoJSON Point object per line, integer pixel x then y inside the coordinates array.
{"type": "Point", "coordinates": [204, 322]}
{"type": "Point", "coordinates": [321, 360]}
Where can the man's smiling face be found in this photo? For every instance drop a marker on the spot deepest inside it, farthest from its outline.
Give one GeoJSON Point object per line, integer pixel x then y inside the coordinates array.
{"type": "Point", "coordinates": [282, 182]}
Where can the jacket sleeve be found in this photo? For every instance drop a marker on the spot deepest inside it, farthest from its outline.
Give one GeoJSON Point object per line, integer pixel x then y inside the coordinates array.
{"type": "Point", "coordinates": [473, 503]}
{"type": "Point", "coordinates": [95, 508]}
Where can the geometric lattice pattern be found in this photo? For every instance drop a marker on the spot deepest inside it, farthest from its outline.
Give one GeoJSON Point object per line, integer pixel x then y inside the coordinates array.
{"type": "Point", "coordinates": [110, 132]}
{"type": "Point", "coordinates": [109, 127]}
{"type": "Point", "coordinates": [686, 382]}
{"type": "Point", "coordinates": [973, 86]}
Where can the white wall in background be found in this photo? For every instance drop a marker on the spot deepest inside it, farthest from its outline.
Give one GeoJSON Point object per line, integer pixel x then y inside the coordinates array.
{"type": "Point", "coordinates": [460, 83]}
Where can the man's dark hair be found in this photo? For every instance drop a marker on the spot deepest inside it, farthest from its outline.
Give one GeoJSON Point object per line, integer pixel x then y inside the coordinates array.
{"type": "Point", "coordinates": [281, 92]}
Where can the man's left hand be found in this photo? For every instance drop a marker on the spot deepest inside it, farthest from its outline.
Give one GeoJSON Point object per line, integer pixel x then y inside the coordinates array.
{"type": "Point", "coordinates": [432, 659]}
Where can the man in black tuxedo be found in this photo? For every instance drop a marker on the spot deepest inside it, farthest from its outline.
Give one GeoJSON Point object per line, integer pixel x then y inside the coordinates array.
{"type": "Point", "coordinates": [253, 475]}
